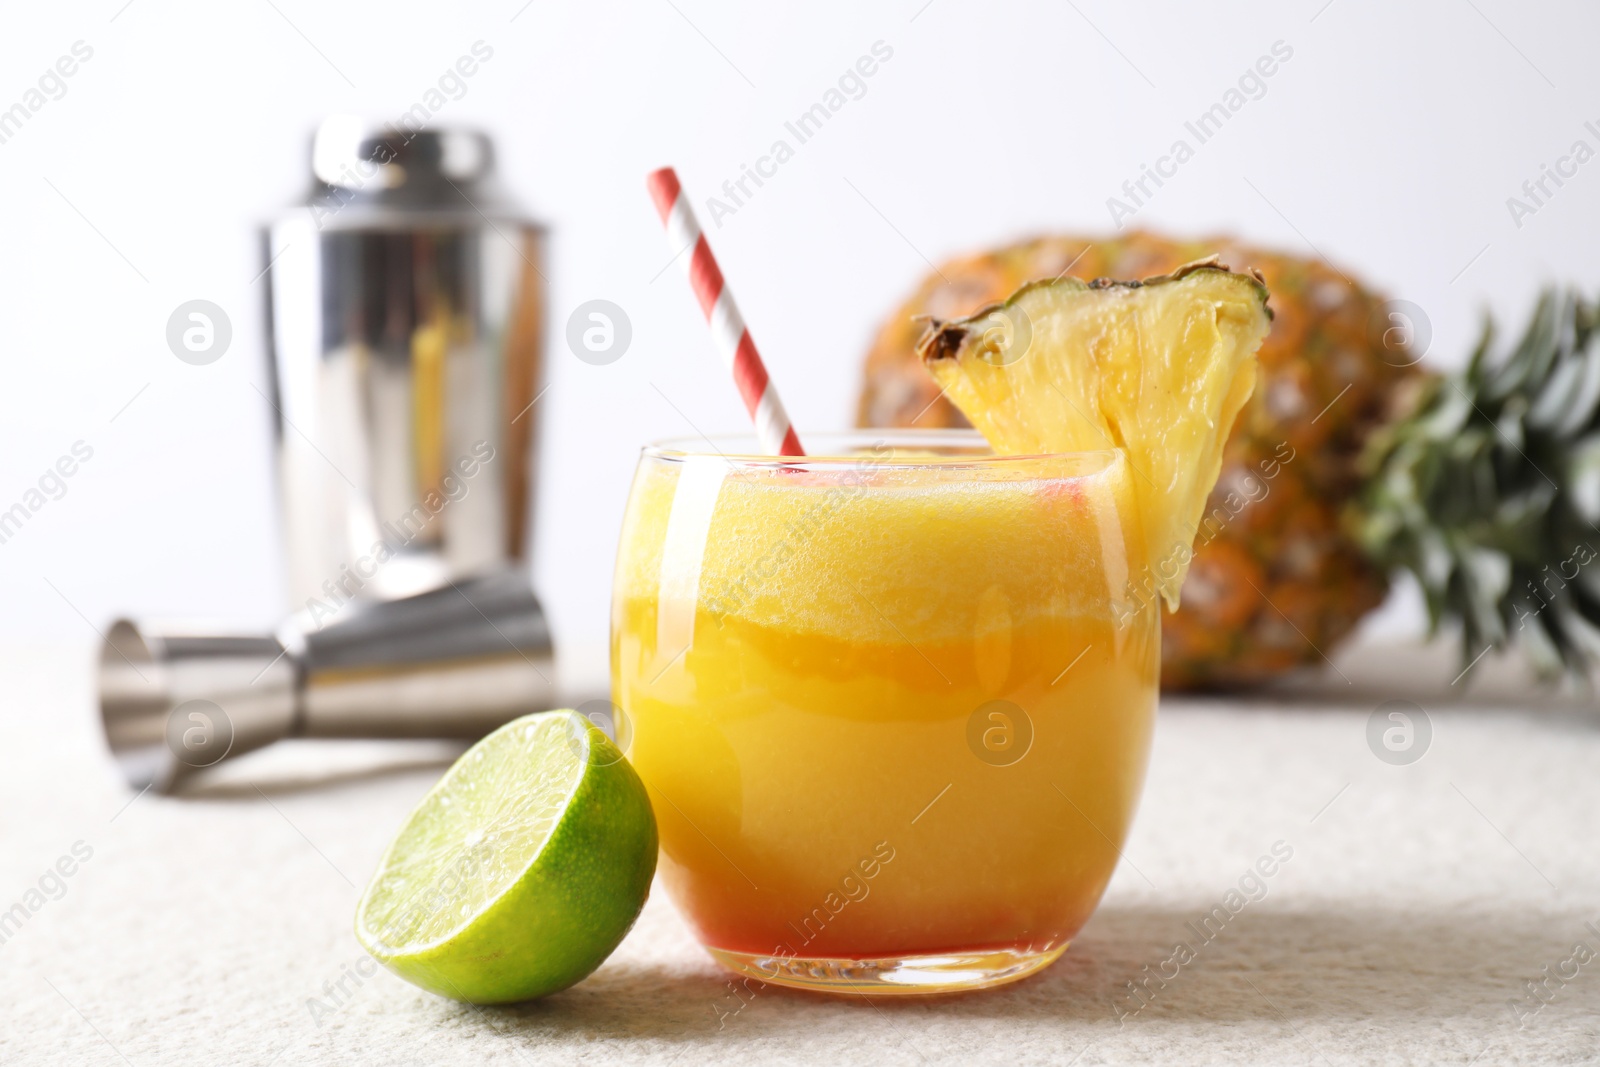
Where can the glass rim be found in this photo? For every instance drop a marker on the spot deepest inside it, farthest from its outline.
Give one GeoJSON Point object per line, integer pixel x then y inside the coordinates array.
{"type": "Point", "coordinates": [732, 447]}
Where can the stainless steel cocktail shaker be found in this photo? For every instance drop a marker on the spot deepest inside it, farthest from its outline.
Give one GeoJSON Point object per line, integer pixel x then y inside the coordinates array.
{"type": "Point", "coordinates": [405, 317]}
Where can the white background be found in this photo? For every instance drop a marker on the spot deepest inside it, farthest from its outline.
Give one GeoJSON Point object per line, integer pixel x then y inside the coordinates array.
{"type": "Point", "coordinates": [1390, 142]}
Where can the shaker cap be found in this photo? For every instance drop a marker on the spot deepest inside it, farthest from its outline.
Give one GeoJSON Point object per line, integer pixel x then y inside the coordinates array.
{"type": "Point", "coordinates": [360, 163]}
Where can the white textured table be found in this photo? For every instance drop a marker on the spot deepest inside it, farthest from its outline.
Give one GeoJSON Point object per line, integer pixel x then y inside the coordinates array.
{"type": "Point", "coordinates": [1418, 903]}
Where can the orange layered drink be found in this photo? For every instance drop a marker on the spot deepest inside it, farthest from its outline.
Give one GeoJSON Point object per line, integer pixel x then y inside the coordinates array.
{"type": "Point", "coordinates": [890, 704]}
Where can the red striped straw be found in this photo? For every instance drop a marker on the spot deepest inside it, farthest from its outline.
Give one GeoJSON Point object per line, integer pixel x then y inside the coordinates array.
{"type": "Point", "coordinates": [732, 337]}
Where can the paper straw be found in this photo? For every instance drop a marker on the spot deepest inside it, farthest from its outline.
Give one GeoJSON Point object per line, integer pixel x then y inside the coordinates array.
{"type": "Point", "coordinates": [728, 330]}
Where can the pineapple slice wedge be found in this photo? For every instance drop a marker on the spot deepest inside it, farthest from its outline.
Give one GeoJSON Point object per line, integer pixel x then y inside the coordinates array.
{"type": "Point", "coordinates": [1159, 368]}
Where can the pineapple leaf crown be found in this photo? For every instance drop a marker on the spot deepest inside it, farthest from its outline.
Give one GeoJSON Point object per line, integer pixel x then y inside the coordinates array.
{"type": "Point", "coordinates": [1489, 491]}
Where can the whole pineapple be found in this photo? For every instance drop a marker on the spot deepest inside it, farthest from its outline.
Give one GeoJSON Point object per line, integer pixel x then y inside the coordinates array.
{"type": "Point", "coordinates": [1278, 577]}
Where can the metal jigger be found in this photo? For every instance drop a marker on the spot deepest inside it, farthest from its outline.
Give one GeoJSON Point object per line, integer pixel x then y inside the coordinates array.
{"type": "Point", "coordinates": [453, 663]}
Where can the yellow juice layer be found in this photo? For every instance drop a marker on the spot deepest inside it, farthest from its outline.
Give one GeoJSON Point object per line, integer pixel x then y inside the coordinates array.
{"type": "Point", "coordinates": [901, 715]}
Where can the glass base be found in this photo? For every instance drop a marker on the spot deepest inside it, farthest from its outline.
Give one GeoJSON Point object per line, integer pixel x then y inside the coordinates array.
{"type": "Point", "coordinates": [893, 976]}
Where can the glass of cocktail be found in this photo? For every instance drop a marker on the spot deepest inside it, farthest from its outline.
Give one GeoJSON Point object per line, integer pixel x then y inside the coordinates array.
{"type": "Point", "coordinates": [892, 700]}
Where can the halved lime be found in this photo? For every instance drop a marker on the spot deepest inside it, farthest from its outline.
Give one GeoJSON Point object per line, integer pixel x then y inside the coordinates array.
{"type": "Point", "coordinates": [518, 873]}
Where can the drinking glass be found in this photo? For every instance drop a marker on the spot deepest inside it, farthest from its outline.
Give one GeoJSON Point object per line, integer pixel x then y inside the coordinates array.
{"type": "Point", "coordinates": [892, 701]}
